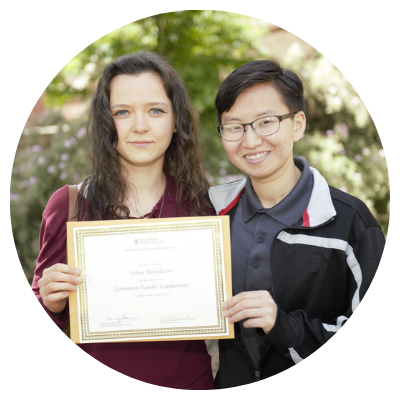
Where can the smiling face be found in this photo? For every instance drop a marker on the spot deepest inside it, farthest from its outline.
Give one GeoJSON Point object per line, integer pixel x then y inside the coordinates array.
{"type": "Point", "coordinates": [144, 119]}
{"type": "Point", "coordinates": [263, 158]}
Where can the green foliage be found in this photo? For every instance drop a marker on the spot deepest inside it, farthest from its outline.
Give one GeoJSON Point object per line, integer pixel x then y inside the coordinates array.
{"type": "Point", "coordinates": [202, 46]}
{"type": "Point", "coordinates": [43, 163]}
{"type": "Point", "coordinates": [341, 140]}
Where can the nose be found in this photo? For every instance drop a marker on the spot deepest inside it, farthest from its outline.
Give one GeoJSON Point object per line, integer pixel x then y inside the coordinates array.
{"type": "Point", "coordinates": [139, 124]}
{"type": "Point", "coordinates": [251, 138]}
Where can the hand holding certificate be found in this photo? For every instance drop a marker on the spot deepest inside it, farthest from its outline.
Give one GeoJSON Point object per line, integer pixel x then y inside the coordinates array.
{"type": "Point", "coordinates": [150, 279]}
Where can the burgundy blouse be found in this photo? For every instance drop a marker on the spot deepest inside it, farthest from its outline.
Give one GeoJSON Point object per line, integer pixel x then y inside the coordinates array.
{"type": "Point", "coordinates": [175, 364]}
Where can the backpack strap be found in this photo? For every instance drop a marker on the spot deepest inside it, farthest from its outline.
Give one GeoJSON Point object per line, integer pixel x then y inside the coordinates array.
{"type": "Point", "coordinates": [73, 196]}
{"type": "Point", "coordinates": [72, 216]}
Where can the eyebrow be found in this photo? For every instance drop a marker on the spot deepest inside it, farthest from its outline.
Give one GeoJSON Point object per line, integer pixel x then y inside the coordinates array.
{"type": "Point", "coordinates": [153, 103]}
{"type": "Point", "coordinates": [265, 112]}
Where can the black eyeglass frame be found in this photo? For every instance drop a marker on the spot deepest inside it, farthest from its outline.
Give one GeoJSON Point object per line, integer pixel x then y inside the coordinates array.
{"type": "Point", "coordinates": [280, 119]}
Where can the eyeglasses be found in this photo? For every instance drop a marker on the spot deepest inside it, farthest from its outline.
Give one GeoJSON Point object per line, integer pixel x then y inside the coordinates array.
{"type": "Point", "coordinates": [264, 126]}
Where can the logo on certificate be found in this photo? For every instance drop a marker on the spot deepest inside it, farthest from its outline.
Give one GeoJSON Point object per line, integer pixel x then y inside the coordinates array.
{"type": "Point", "coordinates": [151, 240]}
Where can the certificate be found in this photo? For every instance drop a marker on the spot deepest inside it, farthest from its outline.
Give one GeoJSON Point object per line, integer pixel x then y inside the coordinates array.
{"type": "Point", "coordinates": [156, 279]}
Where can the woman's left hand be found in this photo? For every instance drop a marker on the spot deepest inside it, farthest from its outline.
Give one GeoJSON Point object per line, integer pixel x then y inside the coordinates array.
{"type": "Point", "coordinates": [258, 307]}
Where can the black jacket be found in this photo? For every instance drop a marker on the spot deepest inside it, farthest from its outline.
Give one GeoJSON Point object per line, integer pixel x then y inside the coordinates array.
{"type": "Point", "coordinates": [321, 268]}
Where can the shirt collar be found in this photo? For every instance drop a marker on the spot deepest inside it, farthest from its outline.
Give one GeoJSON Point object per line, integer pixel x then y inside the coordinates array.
{"type": "Point", "coordinates": [289, 210]}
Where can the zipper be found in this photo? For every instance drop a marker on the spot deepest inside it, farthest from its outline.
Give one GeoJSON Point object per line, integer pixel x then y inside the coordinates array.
{"type": "Point", "coordinates": [257, 374]}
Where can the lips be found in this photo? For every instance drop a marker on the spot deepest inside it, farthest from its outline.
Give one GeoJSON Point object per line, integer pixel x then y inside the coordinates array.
{"type": "Point", "coordinates": [140, 144]}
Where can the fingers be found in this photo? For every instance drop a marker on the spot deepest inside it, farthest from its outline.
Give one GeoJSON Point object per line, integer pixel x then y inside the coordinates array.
{"type": "Point", "coordinates": [256, 307]}
{"type": "Point", "coordinates": [55, 297]}
{"type": "Point", "coordinates": [260, 311]}
{"type": "Point", "coordinates": [246, 300]}
{"type": "Point", "coordinates": [265, 323]}
{"type": "Point", "coordinates": [53, 287]}
{"type": "Point", "coordinates": [64, 268]}
{"type": "Point", "coordinates": [242, 296]}
{"type": "Point", "coordinates": [246, 310]}
{"type": "Point", "coordinates": [56, 283]}
{"type": "Point", "coordinates": [60, 273]}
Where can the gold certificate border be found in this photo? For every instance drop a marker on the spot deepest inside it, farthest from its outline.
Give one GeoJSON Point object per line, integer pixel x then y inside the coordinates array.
{"type": "Point", "coordinates": [127, 227]}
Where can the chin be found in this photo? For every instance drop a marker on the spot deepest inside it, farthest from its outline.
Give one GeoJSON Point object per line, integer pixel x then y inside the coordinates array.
{"type": "Point", "coordinates": [260, 174]}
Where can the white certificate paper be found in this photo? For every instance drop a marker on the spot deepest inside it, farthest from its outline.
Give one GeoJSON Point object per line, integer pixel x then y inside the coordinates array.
{"type": "Point", "coordinates": [159, 279]}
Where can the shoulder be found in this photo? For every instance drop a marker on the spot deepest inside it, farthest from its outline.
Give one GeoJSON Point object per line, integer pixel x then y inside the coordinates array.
{"type": "Point", "coordinates": [349, 210]}
{"type": "Point", "coordinates": [348, 205]}
{"type": "Point", "coordinates": [57, 203]}
{"type": "Point", "coordinates": [57, 206]}
{"type": "Point", "coordinates": [55, 214]}
{"type": "Point", "coordinates": [352, 204]}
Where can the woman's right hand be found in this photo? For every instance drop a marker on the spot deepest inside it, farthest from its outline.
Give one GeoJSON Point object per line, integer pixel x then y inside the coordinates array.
{"type": "Point", "coordinates": [55, 285]}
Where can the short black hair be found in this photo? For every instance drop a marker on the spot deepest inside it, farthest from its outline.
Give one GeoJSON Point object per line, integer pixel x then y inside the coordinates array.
{"type": "Point", "coordinates": [257, 72]}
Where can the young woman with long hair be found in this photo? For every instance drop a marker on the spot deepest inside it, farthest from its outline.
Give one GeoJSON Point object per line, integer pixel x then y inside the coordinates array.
{"type": "Point", "coordinates": [146, 163]}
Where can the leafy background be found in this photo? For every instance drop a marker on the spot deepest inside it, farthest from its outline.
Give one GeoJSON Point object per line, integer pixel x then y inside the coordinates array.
{"type": "Point", "coordinates": [203, 46]}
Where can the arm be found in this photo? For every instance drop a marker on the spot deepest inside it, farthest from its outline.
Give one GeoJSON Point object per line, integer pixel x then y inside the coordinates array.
{"type": "Point", "coordinates": [295, 331]}
{"type": "Point", "coordinates": [53, 279]}
{"type": "Point", "coordinates": [362, 260]}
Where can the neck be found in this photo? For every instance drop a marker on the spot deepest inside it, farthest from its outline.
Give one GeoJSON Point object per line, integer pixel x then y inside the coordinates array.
{"type": "Point", "coordinates": [272, 191]}
{"type": "Point", "coordinates": [146, 186]}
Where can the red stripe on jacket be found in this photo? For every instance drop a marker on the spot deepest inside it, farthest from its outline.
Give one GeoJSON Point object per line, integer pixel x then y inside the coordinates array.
{"type": "Point", "coordinates": [306, 218]}
{"type": "Point", "coordinates": [231, 204]}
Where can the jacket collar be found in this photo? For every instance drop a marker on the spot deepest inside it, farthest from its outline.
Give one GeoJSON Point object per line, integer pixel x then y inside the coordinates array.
{"type": "Point", "coordinates": [320, 208]}
{"type": "Point", "coordinates": [224, 197]}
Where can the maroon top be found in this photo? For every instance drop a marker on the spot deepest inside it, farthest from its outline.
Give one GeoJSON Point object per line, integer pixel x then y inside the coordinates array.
{"type": "Point", "coordinates": [183, 364]}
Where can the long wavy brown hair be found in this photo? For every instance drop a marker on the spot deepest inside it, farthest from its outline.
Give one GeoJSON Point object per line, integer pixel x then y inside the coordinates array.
{"type": "Point", "coordinates": [183, 161]}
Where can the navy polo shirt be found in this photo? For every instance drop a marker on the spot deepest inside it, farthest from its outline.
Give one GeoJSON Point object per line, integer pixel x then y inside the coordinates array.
{"type": "Point", "coordinates": [252, 233]}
